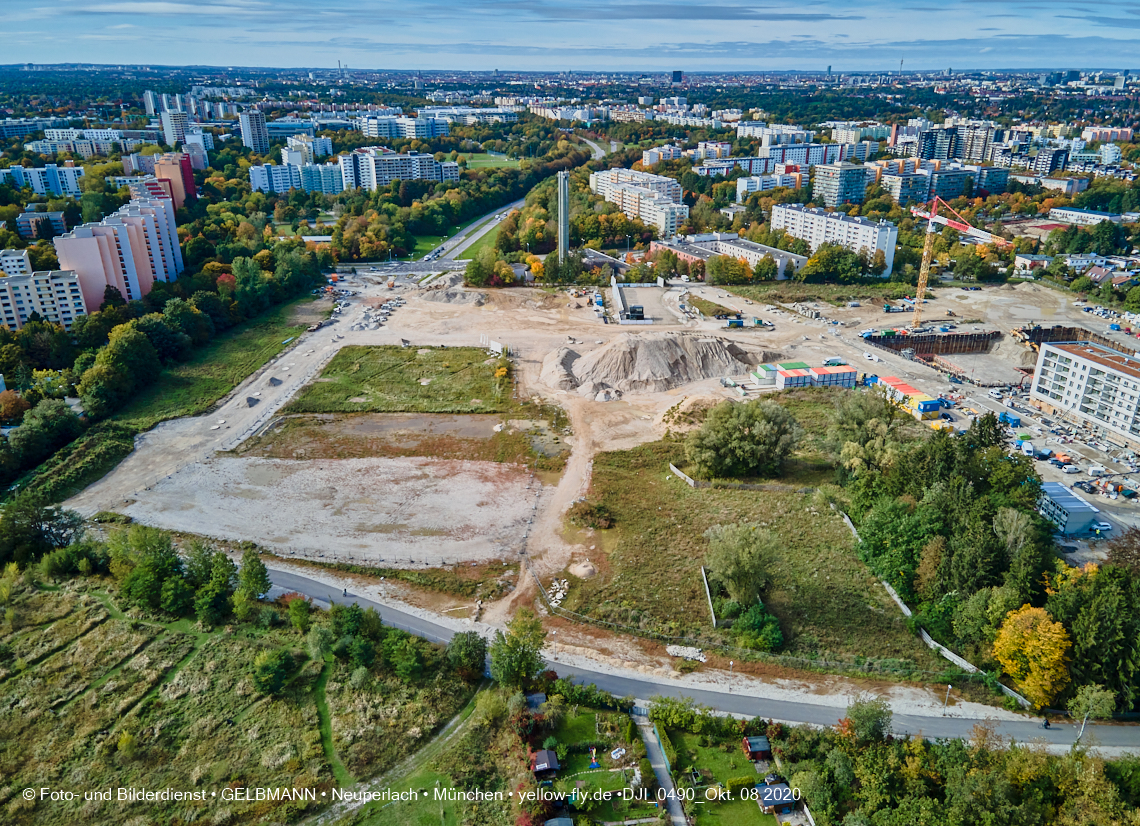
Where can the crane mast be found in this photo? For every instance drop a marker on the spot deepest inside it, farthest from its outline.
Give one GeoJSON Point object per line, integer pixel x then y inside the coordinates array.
{"type": "Point", "coordinates": [924, 271]}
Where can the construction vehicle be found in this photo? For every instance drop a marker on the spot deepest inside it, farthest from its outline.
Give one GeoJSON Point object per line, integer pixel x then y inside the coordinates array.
{"type": "Point", "coordinates": [979, 235]}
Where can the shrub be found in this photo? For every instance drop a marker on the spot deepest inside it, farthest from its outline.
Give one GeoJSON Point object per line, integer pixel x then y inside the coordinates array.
{"type": "Point", "coordinates": [590, 515]}
{"type": "Point", "coordinates": [668, 747]}
{"type": "Point", "coordinates": [271, 670]}
{"type": "Point", "coordinates": [735, 785]}
{"type": "Point", "coordinates": [648, 778]}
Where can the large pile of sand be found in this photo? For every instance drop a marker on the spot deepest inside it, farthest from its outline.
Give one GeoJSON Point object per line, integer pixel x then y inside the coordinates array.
{"type": "Point", "coordinates": [1013, 352]}
{"type": "Point", "coordinates": [650, 362]}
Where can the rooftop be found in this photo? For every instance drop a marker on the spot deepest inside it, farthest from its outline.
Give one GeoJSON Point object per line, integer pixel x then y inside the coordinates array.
{"type": "Point", "coordinates": [1066, 499]}
{"type": "Point", "coordinates": [1098, 354]}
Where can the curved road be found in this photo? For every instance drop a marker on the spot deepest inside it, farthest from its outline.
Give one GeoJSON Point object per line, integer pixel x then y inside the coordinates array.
{"type": "Point", "coordinates": [1061, 734]}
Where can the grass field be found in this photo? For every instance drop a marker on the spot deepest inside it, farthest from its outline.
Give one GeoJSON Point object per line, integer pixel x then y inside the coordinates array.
{"type": "Point", "coordinates": [394, 379]}
{"type": "Point", "coordinates": [482, 160]}
{"type": "Point", "coordinates": [193, 387]}
{"type": "Point", "coordinates": [709, 308]}
{"type": "Point", "coordinates": [731, 813]}
{"type": "Point", "coordinates": [825, 599]}
{"type": "Point", "coordinates": [484, 242]}
{"type": "Point", "coordinates": [425, 244]}
{"type": "Point", "coordinates": [787, 292]}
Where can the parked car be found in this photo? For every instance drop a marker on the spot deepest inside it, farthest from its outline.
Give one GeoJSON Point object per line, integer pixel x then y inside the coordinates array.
{"type": "Point", "coordinates": [1101, 526]}
{"type": "Point", "coordinates": [946, 416]}
{"type": "Point", "coordinates": [870, 357]}
{"type": "Point", "coordinates": [1070, 469]}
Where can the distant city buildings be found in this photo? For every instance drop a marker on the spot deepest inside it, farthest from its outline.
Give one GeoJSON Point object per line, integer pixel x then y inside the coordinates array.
{"type": "Point", "coordinates": [401, 127]}
{"type": "Point", "coordinates": [652, 199]}
{"type": "Point", "coordinates": [817, 227]}
{"type": "Point", "coordinates": [174, 127]}
{"type": "Point", "coordinates": [308, 148]}
{"type": "Point", "coordinates": [1082, 217]}
{"type": "Point", "coordinates": [468, 115]}
{"type": "Point", "coordinates": [129, 250]}
{"type": "Point", "coordinates": [762, 183]}
{"type": "Point", "coordinates": [654, 156]}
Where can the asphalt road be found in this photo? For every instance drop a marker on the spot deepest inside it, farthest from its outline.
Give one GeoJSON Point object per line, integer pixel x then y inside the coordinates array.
{"type": "Point", "coordinates": [1113, 736]}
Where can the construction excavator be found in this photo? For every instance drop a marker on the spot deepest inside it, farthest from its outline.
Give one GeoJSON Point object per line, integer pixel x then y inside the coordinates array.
{"type": "Point", "coordinates": [963, 226]}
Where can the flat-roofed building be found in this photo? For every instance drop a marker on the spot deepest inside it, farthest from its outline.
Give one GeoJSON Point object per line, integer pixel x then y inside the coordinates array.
{"type": "Point", "coordinates": [15, 262]}
{"type": "Point", "coordinates": [1090, 384]}
{"type": "Point", "coordinates": [818, 227]}
{"type": "Point", "coordinates": [55, 295]}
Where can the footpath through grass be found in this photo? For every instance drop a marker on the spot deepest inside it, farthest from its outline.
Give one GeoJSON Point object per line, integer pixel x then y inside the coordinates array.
{"type": "Point", "coordinates": [391, 379]}
{"type": "Point", "coordinates": [193, 387]}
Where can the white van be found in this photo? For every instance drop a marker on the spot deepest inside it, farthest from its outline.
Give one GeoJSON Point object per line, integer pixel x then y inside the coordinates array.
{"type": "Point", "coordinates": [1097, 470]}
{"type": "Point", "coordinates": [995, 394]}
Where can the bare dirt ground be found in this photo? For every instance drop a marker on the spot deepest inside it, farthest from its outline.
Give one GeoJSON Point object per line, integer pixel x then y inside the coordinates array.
{"type": "Point", "coordinates": [395, 511]}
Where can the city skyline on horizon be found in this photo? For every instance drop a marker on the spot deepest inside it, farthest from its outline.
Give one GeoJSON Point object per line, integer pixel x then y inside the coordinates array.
{"type": "Point", "coordinates": [539, 35]}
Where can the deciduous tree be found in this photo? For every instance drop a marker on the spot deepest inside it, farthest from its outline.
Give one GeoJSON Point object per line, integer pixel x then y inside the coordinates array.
{"type": "Point", "coordinates": [750, 439]}
{"type": "Point", "coordinates": [1033, 650]}
{"type": "Point", "coordinates": [516, 656]}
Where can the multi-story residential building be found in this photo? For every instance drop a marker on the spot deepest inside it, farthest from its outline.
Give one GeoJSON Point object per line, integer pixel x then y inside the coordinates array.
{"type": "Point", "coordinates": [54, 295]}
{"type": "Point", "coordinates": [274, 178]}
{"type": "Point", "coordinates": [137, 164]}
{"type": "Point", "coordinates": [108, 135]}
{"type": "Point", "coordinates": [376, 166]}
{"type": "Point", "coordinates": [51, 179]}
{"type": "Point", "coordinates": [468, 115]}
{"type": "Point", "coordinates": [839, 183]}
{"type": "Point", "coordinates": [150, 102]}
{"type": "Point", "coordinates": [177, 168]}
{"type": "Point", "coordinates": [803, 155]}
{"type": "Point", "coordinates": [1090, 384]}
{"type": "Point", "coordinates": [762, 183]}
{"type": "Point", "coordinates": [325, 178]}
{"type": "Point", "coordinates": [654, 156]}
{"type": "Point", "coordinates": [33, 224]}
{"type": "Point", "coordinates": [18, 127]}
{"type": "Point", "coordinates": [175, 125]}
{"type": "Point", "coordinates": [15, 262]}
{"type": "Point", "coordinates": [653, 199]}
{"type": "Point", "coordinates": [817, 227]}
{"type": "Point", "coordinates": [1050, 159]}
{"type": "Point", "coordinates": [857, 133]}
{"type": "Point", "coordinates": [1095, 134]}
{"type": "Point", "coordinates": [977, 139]}
{"type": "Point", "coordinates": [1082, 217]}
{"type": "Point", "coordinates": [400, 127]}
{"type": "Point", "coordinates": [940, 143]}
{"type": "Point", "coordinates": [149, 186]}
{"type": "Point", "coordinates": [947, 183]}
{"type": "Point", "coordinates": [128, 250]}
{"type": "Point", "coordinates": [694, 248]}
{"type": "Point", "coordinates": [907, 188]}
{"type": "Point", "coordinates": [773, 134]}
{"type": "Point", "coordinates": [309, 148]}
{"type": "Point", "coordinates": [199, 138]}
{"type": "Point", "coordinates": [254, 132]}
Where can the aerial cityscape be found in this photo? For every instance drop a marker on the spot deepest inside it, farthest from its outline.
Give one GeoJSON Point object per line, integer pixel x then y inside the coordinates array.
{"type": "Point", "coordinates": [727, 417]}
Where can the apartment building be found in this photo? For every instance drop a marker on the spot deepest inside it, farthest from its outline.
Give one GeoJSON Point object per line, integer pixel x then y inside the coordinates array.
{"type": "Point", "coordinates": [1092, 385]}
{"type": "Point", "coordinates": [308, 148]}
{"type": "Point", "coordinates": [773, 134]}
{"type": "Point", "coordinates": [128, 250]}
{"type": "Point", "coordinates": [602, 182]}
{"type": "Point", "coordinates": [468, 115]}
{"type": "Point", "coordinates": [33, 224]}
{"type": "Point", "coordinates": [400, 127]}
{"type": "Point", "coordinates": [325, 178]}
{"type": "Point", "coordinates": [857, 133]}
{"type": "Point", "coordinates": [254, 132]}
{"type": "Point", "coordinates": [18, 127]}
{"type": "Point", "coordinates": [54, 295]}
{"type": "Point", "coordinates": [817, 227]}
{"type": "Point", "coordinates": [907, 188]}
{"type": "Point", "coordinates": [51, 179]}
{"type": "Point", "coordinates": [137, 164]}
{"type": "Point", "coordinates": [15, 262]}
{"type": "Point", "coordinates": [762, 183]}
{"type": "Point", "coordinates": [839, 183]}
{"type": "Point", "coordinates": [653, 199]}
{"type": "Point", "coordinates": [177, 168]}
{"type": "Point", "coordinates": [1050, 159]}
{"type": "Point", "coordinates": [274, 178]}
{"type": "Point", "coordinates": [654, 156]}
{"type": "Point", "coordinates": [149, 186]}
{"type": "Point", "coordinates": [795, 154]}
{"type": "Point", "coordinates": [175, 125]}
{"type": "Point", "coordinates": [375, 166]}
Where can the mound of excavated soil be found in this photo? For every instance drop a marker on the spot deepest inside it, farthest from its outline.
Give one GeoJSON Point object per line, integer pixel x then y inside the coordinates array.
{"type": "Point", "coordinates": [557, 369]}
{"type": "Point", "coordinates": [450, 296]}
{"type": "Point", "coordinates": [1013, 352]}
{"type": "Point", "coordinates": [653, 362]}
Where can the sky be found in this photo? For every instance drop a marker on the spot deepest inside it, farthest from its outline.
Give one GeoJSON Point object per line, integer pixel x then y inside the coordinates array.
{"type": "Point", "coordinates": [555, 35]}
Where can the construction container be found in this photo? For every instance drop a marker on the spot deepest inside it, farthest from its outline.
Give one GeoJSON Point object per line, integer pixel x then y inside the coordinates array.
{"type": "Point", "coordinates": [793, 365]}
{"type": "Point", "coordinates": [787, 379]}
{"type": "Point", "coordinates": [834, 376]}
{"type": "Point", "coordinates": [763, 375]}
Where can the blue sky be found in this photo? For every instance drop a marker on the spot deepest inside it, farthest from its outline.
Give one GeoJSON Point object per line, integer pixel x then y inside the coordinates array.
{"type": "Point", "coordinates": [626, 35]}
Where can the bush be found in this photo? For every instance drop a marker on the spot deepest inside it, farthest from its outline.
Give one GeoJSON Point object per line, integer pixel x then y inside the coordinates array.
{"type": "Point", "coordinates": [590, 515]}
{"type": "Point", "coordinates": [757, 630]}
{"type": "Point", "coordinates": [735, 785]}
{"type": "Point", "coordinates": [271, 670]}
{"type": "Point", "coordinates": [668, 747]}
{"type": "Point", "coordinates": [648, 778]}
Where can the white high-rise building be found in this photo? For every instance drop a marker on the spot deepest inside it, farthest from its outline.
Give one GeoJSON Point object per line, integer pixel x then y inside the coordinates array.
{"type": "Point", "coordinates": [49, 179]}
{"type": "Point", "coordinates": [55, 295]}
{"type": "Point", "coordinates": [325, 178]}
{"type": "Point", "coordinates": [274, 178]}
{"type": "Point", "coordinates": [174, 127]}
{"type": "Point", "coordinates": [602, 182]}
{"type": "Point", "coordinates": [374, 167]}
{"type": "Point", "coordinates": [254, 132]}
{"type": "Point", "coordinates": [309, 148]}
{"type": "Point", "coordinates": [818, 227]}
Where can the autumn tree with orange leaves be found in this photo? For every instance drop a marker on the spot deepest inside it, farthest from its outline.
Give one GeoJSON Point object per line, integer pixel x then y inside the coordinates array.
{"type": "Point", "coordinates": [1033, 650]}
